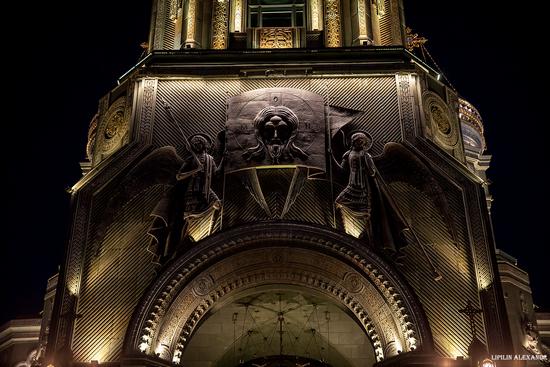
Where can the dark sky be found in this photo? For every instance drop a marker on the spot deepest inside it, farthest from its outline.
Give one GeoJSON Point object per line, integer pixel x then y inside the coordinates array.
{"type": "Point", "coordinates": [55, 77]}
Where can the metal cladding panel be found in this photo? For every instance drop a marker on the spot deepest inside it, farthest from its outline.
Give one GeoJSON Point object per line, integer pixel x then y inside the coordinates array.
{"type": "Point", "coordinates": [200, 106]}
{"type": "Point", "coordinates": [190, 106]}
{"type": "Point", "coordinates": [275, 186]}
{"type": "Point", "coordinates": [116, 272]}
{"type": "Point", "coordinates": [169, 35]}
{"type": "Point", "coordinates": [313, 204]}
{"type": "Point", "coordinates": [386, 25]}
{"type": "Point", "coordinates": [441, 299]}
{"type": "Point", "coordinates": [239, 205]}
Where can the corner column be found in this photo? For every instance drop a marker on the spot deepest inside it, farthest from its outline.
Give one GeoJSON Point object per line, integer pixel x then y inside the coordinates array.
{"type": "Point", "coordinates": [333, 24]}
{"type": "Point", "coordinates": [220, 22]}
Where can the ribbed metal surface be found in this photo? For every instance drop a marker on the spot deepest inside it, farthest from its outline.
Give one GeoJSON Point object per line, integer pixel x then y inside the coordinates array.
{"type": "Point", "coordinates": [97, 216]}
{"type": "Point", "coordinates": [484, 269]}
{"type": "Point", "coordinates": [200, 105]}
{"type": "Point", "coordinates": [440, 299]}
{"type": "Point", "coordinates": [480, 242]}
{"type": "Point", "coordinates": [275, 185]}
{"type": "Point", "coordinates": [169, 35]}
{"type": "Point", "coordinates": [386, 25]}
{"type": "Point", "coordinates": [239, 205]}
{"type": "Point", "coordinates": [314, 204]}
{"type": "Point", "coordinates": [114, 278]}
{"type": "Point", "coordinates": [377, 99]}
{"type": "Point", "coordinates": [118, 269]}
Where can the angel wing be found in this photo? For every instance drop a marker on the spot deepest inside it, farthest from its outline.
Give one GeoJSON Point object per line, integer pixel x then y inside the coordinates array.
{"type": "Point", "coordinates": [158, 167]}
{"type": "Point", "coordinates": [398, 164]}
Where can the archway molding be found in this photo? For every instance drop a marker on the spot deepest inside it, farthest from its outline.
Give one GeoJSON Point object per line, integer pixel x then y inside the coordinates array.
{"type": "Point", "coordinates": [316, 259]}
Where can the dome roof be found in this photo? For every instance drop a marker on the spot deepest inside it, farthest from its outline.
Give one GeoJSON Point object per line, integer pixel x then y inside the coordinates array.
{"type": "Point", "coordinates": [472, 127]}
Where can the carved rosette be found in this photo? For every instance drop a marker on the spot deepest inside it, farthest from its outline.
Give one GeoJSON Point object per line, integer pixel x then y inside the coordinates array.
{"type": "Point", "coordinates": [203, 285]}
{"type": "Point", "coordinates": [220, 20]}
{"type": "Point", "coordinates": [113, 131]}
{"type": "Point", "coordinates": [353, 282]}
{"type": "Point", "coordinates": [333, 23]}
{"type": "Point", "coordinates": [439, 120]}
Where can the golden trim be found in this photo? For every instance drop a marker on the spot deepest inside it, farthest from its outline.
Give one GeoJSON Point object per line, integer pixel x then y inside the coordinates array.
{"type": "Point", "coordinates": [333, 23]}
{"type": "Point", "coordinates": [316, 22]}
{"type": "Point", "coordinates": [276, 37]}
{"type": "Point", "coordinates": [220, 24]}
{"type": "Point", "coordinates": [237, 14]}
{"type": "Point", "coordinates": [191, 23]}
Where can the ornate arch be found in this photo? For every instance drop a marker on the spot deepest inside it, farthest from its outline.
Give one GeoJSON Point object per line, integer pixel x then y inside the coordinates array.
{"type": "Point", "coordinates": [314, 258]}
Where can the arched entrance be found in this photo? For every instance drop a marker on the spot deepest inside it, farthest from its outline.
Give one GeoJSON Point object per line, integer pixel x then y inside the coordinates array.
{"type": "Point", "coordinates": [280, 326]}
{"type": "Point", "coordinates": [268, 266]}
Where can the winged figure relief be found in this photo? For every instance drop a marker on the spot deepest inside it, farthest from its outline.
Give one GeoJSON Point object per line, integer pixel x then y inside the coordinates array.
{"type": "Point", "coordinates": [188, 197]}
{"type": "Point", "coordinates": [367, 206]}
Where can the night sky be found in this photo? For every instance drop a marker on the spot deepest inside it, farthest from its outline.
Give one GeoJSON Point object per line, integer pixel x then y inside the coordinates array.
{"type": "Point", "coordinates": [55, 78]}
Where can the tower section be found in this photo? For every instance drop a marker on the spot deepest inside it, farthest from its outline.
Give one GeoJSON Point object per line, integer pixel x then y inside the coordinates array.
{"type": "Point", "coordinates": [279, 184]}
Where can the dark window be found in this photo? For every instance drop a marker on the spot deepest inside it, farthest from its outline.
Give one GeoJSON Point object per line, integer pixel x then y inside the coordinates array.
{"type": "Point", "coordinates": [276, 13]}
{"type": "Point", "coordinates": [276, 19]}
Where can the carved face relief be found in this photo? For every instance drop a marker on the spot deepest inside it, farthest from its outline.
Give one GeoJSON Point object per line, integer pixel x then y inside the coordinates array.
{"type": "Point", "coordinates": [198, 143]}
{"type": "Point", "coordinates": [361, 141]}
{"type": "Point", "coordinates": [276, 126]}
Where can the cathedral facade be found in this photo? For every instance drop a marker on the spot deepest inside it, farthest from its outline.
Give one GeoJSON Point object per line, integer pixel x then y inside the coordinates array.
{"type": "Point", "coordinates": [280, 183]}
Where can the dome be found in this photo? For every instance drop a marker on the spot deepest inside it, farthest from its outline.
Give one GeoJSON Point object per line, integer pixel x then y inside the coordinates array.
{"type": "Point", "coordinates": [472, 128]}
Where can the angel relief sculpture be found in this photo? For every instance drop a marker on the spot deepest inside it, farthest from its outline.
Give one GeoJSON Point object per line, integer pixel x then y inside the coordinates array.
{"type": "Point", "coordinates": [366, 191]}
{"type": "Point", "coordinates": [191, 197]}
{"type": "Point", "coordinates": [366, 205]}
{"type": "Point", "coordinates": [188, 196]}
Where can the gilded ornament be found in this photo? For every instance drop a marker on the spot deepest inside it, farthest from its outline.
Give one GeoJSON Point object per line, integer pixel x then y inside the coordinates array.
{"type": "Point", "coordinates": [333, 23]}
{"type": "Point", "coordinates": [238, 11]}
{"type": "Point", "coordinates": [315, 22]}
{"type": "Point", "coordinates": [191, 15]}
{"type": "Point", "coordinates": [114, 128]}
{"type": "Point", "coordinates": [173, 9]}
{"type": "Point", "coordinates": [361, 15]}
{"type": "Point", "coordinates": [440, 120]}
{"type": "Point", "coordinates": [414, 40]}
{"type": "Point", "coordinates": [276, 38]}
{"type": "Point", "coordinates": [219, 24]}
